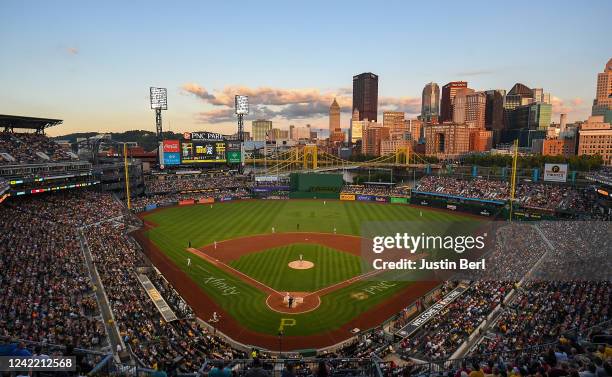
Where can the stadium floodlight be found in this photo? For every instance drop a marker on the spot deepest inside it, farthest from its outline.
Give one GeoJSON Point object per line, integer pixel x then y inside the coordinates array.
{"type": "Point", "coordinates": [242, 105]}
{"type": "Point", "coordinates": [159, 98]}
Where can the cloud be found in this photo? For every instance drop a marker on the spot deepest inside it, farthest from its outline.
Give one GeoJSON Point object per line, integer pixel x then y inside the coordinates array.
{"type": "Point", "coordinates": [480, 72]}
{"type": "Point", "coordinates": [72, 50]}
{"type": "Point", "coordinates": [410, 105]}
{"type": "Point", "coordinates": [560, 106]}
{"type": "Point", "coordinates": [269, 103]}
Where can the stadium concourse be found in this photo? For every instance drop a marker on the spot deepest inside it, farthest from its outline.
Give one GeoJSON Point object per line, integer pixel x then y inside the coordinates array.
{"type": "Point", "coordinates": [72, 283]}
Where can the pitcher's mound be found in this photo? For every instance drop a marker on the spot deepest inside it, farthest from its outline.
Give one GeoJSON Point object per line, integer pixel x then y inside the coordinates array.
{"type": "Point", "coordinates": [301, 264]}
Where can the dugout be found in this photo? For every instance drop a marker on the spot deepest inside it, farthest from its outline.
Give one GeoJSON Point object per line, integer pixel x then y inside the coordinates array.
{"type": "Point", "coordinates": [315, 186]}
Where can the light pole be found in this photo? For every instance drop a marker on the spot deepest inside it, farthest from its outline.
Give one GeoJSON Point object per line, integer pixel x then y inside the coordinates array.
{"type": "Point", "coordinates": [242, 108]}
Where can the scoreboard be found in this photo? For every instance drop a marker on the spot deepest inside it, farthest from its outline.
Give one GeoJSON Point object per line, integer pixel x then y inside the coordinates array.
{"type": "Point", "coordinates": [202, 151]}
{"type": "Point", "coordinates": [201, 148]}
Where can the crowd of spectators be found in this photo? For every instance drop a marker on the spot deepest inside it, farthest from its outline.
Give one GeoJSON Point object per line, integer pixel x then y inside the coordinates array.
{"type": "Point", "coordinates": [22, 147]}
{"type": "Point", "coordinates": [442, 335]}
{"type": "Point", "coordinates": [54, 303]}
{"type": "Point", "coordinates": [548, 197]}
{"type": "Point", "coordinates": [398, 191]}
{"type": "Point", "coordinates": [604, 175]}
{"type": "Point", "coordinates": [544, 310]}
{"type": "Point", "coordinates": [173, 183]}
{"type": "Point", "coordinates": [181, 345]}
{"type": "Point", "coordinates": [161, 200]}
{"type": "Point", "coordinates": [47, 295]}
{"type": "Point", "coordinates": [478, 188]}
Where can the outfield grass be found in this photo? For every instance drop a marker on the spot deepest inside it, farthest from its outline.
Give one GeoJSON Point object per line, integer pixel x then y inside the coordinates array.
{"type": "Point", "coordinates": [271, 267]}
{"type": "Point", "coordinates": [202, 225]}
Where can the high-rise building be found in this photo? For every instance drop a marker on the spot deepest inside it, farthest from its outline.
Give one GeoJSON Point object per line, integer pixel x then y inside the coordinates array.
{"type": "Point", "coordinates": [260, 129]}
{"type": "Point", "coordinates": [373, 134]}
{"type": "Point", "coordinates": [365, 96]}
{"type": "Point", "coordinates": [448, 140]}
{"type": "Point", "coordinates": [448, 94]}
{"type": "Point", "coordinates": [519, 95]}
{"type": "Point", "coordinates": [540, 96]}
{"type": "Point", "coordinates": [602, 105]}
{"type": "Point", "coordinates": [430, 103]}
{"type": "Point", "coordinates": [494, 111]}
{"type": "Point", "coordinates": [355, 114]}
{"type": "Point", "coordinates": [300, 133]}
{"type": "Point", "coordinates": [394, 120]}
{"type": "Point", "coordinates": [469, 108]}
{"type": "Point", "coordinates": [596, 138]}
{"type": "Point", "coordinates": [481, 140]}
{"type": "Point", "coordinates": [392, 145]}
{"type": "Point", "coordinates": [334, 117]}
{"type": "Point", "coordinates": [415, 128]}
{"type": "Point", "coordinates": [356, 131]}
{"type": "Point", "coordinates": [559, 146]}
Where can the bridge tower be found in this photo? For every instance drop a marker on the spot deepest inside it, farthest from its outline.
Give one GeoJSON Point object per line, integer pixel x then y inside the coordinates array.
{"type": "Point", "coordinates": [310, 151]}
{"type": "Point", "coordinates": [402, 152]}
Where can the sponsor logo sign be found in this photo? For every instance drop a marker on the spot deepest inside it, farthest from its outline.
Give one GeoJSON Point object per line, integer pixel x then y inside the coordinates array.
{"type": "Point", "coordinates": [555, 172]}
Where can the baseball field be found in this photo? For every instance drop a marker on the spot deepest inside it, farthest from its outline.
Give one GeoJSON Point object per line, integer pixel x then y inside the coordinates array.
{"type": "Point", "coordinates": [246, 260]}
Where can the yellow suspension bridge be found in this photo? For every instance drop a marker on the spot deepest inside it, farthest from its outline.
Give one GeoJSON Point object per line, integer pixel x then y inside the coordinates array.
{"type": "Point", "coordinates": [310, 157]}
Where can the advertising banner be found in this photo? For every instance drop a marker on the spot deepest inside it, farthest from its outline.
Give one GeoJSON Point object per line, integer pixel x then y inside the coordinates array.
{"type": "Point", "coordinates": [172, 158]}
{"type": "Point", "coordinates": [233, 157]}
{"type": "Point", "coordinates": [399, 200]}
{"type": "Point", "coordinates": [266, 178]}
{"type": "Point", "coordinates": [186, 202]}
{"type": "Point", "coordinates": [555, 172]}
{"type": "Point", "coordinates": [226, 198]}
{"type": "Point", "coordinates": [172, 146]}
{"type": "Point", "coordinates": [347, 196]}
{"type": "Point", "coordinates": [150, 207]}
{"type": "Point", "coordinates": [206, 200]}
{"type": "Point", "coordinates": [381, 199]}
{"type": "Point", "coordinates": [365, 198]}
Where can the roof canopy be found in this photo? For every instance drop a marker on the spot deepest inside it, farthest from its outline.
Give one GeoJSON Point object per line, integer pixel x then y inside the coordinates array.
{"type": "Point", "coordinates": [10, 122]}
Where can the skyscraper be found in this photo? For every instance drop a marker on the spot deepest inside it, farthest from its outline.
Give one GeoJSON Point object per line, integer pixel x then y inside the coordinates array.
{"type": "Point", "coordinates": [365, 95]}
{"type": "Point", "coordinates": [494, 109]}
{"type": "Point", "coordinates": [448, 93]}
{"type": "Point", "coordinates": [430, 103]}
{"type": "Point", "coordinates": [602, 105]}
{"type": "Point", "coordinates": [459, 105]}
{"type": "Point", "coordinates": [394, 120]}
{"type": "Point", "coordinates": [260, 129]}
{"type": "Point", "coordinates": [334, 117]}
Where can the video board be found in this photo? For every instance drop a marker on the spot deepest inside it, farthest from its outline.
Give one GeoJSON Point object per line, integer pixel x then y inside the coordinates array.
{"type": "Point", "coordinates": [202, 151]}
{"type": "Point", "coordinates": [203, 147]}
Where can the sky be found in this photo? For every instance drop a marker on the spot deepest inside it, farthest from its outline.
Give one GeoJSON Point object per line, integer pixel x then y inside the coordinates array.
{"type": "Point", "coordinates": [92, 63]}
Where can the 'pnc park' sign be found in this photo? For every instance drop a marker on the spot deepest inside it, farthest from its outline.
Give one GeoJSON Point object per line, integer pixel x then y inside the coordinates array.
{"type": "Point", "coordinates": [203, 135]}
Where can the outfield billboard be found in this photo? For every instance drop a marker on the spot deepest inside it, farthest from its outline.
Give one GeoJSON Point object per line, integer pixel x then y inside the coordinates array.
{"type": "Point", "coordinates": [555, 172]}
{"type": "Point", "coordinates": [172, 158]}
{"type": "Point", "coordinates": [347, 196]}
{"type": "Point", "coordinates": [399, 200]}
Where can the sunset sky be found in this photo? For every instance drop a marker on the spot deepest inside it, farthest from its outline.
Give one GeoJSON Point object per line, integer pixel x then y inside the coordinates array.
{"type": "Point", "coordinates": [91, 63]}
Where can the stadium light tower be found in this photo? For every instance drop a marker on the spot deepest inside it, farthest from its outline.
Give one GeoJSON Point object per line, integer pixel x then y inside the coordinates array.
{"type": "Point", "coordinates": [241, 108]}
{"type": "Point", "coordinates": [159, 102]}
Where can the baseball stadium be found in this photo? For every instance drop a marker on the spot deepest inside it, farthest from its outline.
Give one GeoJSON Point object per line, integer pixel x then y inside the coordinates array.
{"type": "Point", "coordinates": [246, 189]}
{"type": "Point", "coordinates": [135, 269]}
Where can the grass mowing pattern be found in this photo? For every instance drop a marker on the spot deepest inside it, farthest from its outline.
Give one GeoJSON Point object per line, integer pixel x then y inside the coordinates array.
{"type": "Point", "coordinates": [202, 225]}
{"type": "Point", "coordinates": [271, 267]}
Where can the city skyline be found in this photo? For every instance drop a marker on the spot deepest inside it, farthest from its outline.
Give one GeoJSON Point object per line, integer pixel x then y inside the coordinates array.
{"type": "Point", "coordinates": [94, 65]}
